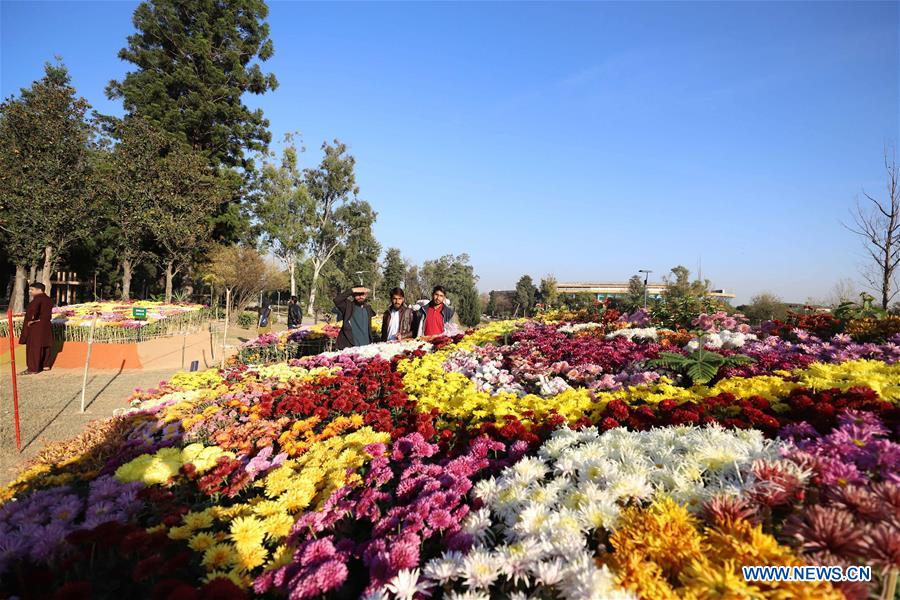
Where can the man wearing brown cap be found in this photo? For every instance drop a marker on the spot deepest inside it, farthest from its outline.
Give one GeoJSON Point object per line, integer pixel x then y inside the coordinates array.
{"type": "Point", "coordinates": [357, 315]}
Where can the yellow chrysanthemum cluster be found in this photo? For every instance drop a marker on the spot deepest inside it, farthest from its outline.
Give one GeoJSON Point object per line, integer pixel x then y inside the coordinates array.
{"type": "Point", "coordinates": [460, 402]}
{"type": "Point", "coordinates": [285, 372]}
{"type": "Point", "coordinates": [236, 540]}
{"type": "Point", "coordinates": [662, 552]}
{"type": "Point", "coordinates": [197, 380]}
{"type": "Point", "coordinates": [160, 467]}
{"type": "Point", "coordinates": [882, 377]}
{"type": "Point", "coordinates": [302, 435]}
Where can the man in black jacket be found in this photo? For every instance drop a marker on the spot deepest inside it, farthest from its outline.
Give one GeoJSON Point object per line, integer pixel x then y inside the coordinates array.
{"type": "Point", "coordinates": [295, 317]}
{"type": "Point", "coordinates": [356, 314]}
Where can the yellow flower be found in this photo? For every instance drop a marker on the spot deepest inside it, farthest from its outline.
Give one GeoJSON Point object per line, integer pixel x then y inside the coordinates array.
{"type": "Point", "coordinates": [219, 556]}
{"type": "Point", "coordinates": [707, 582]}
{"type": "Point", "coordinates": [281, 556]}
{"type": "Point", "coordinates": [250, 557]}
{"type": "Point", "coordinates": [278, 526]}
{"type": "Point", "coordinates": [247, 531]}
{"type": "Point", "coordinates": [180, 533]}
{"type": "Point", "coordinates": [198, 520]}
{"type": "Point", "coordinates": [201, 542]}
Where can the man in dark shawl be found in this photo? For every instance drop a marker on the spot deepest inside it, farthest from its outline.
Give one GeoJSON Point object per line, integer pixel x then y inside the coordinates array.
{"type": "Point", "coordinates": [37, 332]}
{"type": "Point", "coordinates": [357, 315]}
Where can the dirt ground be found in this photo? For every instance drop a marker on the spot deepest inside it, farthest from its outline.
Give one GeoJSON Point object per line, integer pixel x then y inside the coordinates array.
{"type": "Point", "coordinates": [49, 402]}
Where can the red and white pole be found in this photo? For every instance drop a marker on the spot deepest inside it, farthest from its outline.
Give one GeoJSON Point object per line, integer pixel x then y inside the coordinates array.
{"type": "Point", "coordinates": [15, 389]}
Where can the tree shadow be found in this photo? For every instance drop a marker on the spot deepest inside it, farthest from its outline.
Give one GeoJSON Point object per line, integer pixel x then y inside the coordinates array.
{"type": "Point", "coordinates": [108, 383]}
{"type": "Point", "coordinates": [56, 416]}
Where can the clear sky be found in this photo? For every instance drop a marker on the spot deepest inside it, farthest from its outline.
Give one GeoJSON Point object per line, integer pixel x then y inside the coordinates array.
{"type": "Point", "coordinates": [587, 140]}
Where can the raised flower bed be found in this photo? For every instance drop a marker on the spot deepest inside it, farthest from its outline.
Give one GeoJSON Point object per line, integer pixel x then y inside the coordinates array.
{"type": "Point", "coordinates": [116, 323]}
{"type": "Point", "coordinates": [523, 459]}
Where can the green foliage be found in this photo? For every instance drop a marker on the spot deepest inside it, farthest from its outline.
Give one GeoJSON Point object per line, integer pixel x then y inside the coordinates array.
{"type": "Point", "coordinates": [683, 300]}
{"type": "Point", "coordinates": [45, 162]}
{"type": "Point", "coordinates": [282, 208]}
{"type": "Point", "coordinates": [339, 222]}
{"type": "Point", "coordinates": [458, 278]}
{"type": "Point", "coordinates": [394, 272]}
{"type": "Point", "coordinates": [179, 203]}
{"type": "Point", "coordinates": [246, 319]}
{"type": "Point", "coordinates": [491, 307]}
{"type": "Point", "coordinates": [865, 308]}
{"type": "Point", "coordinates": [765, 307]}
{"type": "Point", "coordinates": [634, 297]}
{"type": "Point", "coordinates": [526, 294]}
{"type": "Point", "coordinates": [700, 366]}
{"type": "Point", "coordinates": [549, 293]}
{"type": "Point", "coordinates": [195, 60]}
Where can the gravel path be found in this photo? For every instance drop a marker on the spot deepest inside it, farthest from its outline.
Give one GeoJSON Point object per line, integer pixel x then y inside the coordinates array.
{"type": "Point", "coordinates": [49, 407]}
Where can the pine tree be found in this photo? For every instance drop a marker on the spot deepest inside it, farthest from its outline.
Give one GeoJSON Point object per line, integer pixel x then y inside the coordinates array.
{"type": "Point", "coordinates": [195, 60]}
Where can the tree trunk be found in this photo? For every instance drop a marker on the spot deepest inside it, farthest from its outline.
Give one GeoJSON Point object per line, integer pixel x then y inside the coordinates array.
{"type": "Point", "coordinates": [311, 309]}
{"type": "Point", "coordinates": [17, 298]}
{"type": "Point", "coordinates": [32, 273]}
{"type": "Point", "coordinates": [48, 268]}
{"type": "Point", "coordinates": [293, 270]}
{"type": "Point", "coordinates": [126, 278]}
{"type": "Point", "coordinates": [170, 275]}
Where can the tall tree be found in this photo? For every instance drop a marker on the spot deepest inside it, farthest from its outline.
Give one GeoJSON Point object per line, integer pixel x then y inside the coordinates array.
{"type": "Point", "coordinates": [765, 307]}
{"type": "Point", "coordinates": [282, 206]}
{"type": "Point", "coordinates": [549, 291]}
{"type": "Point", "coordinates": [186, 193]}
{"type": "Point", "coordinates": [244, 272]}
{"type": "Point", "coordinates": [336, 215]}
{"type": "Point", "coordinates": [132, 179]}
{"type": "Point", "coordinates": [491, 308]}
{"type": "Point", "coordinates": [634, 297]}
{"type": "Point", "coordinates": [877, 223]}
{"type": "Point", "coordinates": [44, 171]}
{"type": "Point", "coordinates": [412, 284]}
{"type": "Point", "coordinates": [195, 60]}
{"type": "Point", "coordinates": [525, 294]}
{"type": "Point", "coordinates": [458, 278]}
{"type": "Point", "coordinates": [393, 273]}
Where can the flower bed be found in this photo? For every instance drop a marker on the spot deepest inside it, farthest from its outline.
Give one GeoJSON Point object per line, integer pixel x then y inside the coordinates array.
{"type": "Point", "coordinates": [292, 343]}
{"type": "Point", "coordinates": [116, 322]}
{"type": "Point", "coordinates": [523, 459]}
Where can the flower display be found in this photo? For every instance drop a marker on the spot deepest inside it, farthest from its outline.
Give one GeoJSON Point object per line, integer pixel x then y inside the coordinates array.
{"type": "Point", "coordinates": [116, 321]}
{"type": "Point", "coordinates": [533, 458]}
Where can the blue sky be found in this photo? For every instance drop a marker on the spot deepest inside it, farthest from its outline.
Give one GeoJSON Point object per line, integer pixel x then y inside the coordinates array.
{"type": "Point", "coordinates": [587, 140]}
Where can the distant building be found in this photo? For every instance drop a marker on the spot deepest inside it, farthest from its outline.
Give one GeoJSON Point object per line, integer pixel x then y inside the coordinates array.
{"type": "Point", "coordinates": [602, 291]}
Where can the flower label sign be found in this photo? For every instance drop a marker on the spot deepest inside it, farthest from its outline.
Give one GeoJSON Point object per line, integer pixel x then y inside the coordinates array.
{"type": "Point", "coordinates": [139, 313]}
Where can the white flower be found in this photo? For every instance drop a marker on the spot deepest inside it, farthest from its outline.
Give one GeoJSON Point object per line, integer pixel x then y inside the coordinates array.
{"type": "Point", "coordinates": [405, 584]}
{"type": "Point", "coordinates": [528, 470]}
{"type": "Point", "coordinates": [549, 572]}
{"type": "Point", "coordinates": [486, 490]}
{"type": "Point", "coordinates": [468, 595]}
{"type": "Point", "coordinates": [633, 334]}
{"type": "Point", "coordinates": [480, 569]}
{"type": "Point", "coordinates": [478, 523]}
{"type": "Point", "coordinates": [445, 568]}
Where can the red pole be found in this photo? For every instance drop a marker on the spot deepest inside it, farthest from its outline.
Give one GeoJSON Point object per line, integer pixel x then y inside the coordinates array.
{"type": "Point", "coordinates": [12, 364]}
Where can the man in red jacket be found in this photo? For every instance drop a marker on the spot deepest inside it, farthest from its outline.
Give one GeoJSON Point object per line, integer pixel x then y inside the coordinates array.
{"type": "Point", "coordinates": [37, 332]}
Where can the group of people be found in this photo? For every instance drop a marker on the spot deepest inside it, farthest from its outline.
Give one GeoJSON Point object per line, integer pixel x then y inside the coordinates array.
{"type": "Point", "coordinates": [399, 322]}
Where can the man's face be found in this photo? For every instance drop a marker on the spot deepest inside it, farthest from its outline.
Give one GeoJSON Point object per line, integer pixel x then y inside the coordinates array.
{"type": "Point", "coordinates": [397, 301]}
{"type": "Point", "coordinates": [360, 297]}
{"type": "Point", "coordinates": [437, 297]}
{"type": "Point", "coordinates": [32, 292]}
